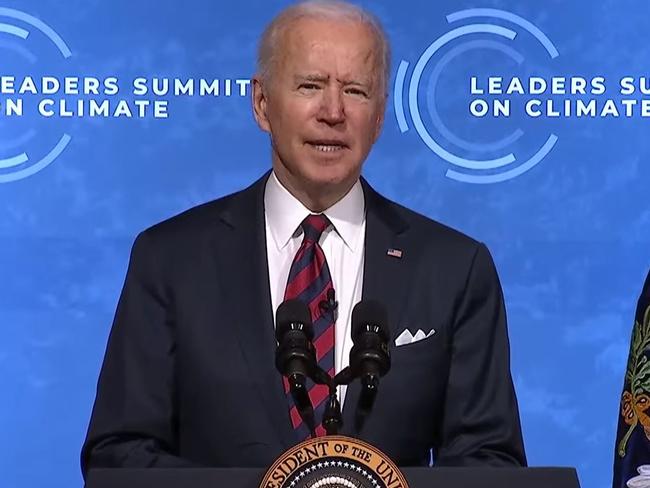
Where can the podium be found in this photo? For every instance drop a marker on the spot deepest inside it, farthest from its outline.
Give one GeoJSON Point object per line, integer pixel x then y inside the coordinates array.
{"type": "Point", "coordinates": [416, 477]}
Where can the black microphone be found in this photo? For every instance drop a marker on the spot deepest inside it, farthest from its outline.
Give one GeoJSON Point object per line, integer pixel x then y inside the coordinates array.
{"type": "Point", "coordinates": [295, 356]}
{"type": "Point", "coordinates": [369, 357]}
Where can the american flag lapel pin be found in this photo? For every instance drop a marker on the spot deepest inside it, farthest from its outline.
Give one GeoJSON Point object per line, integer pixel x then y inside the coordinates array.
{"type": "Point", "coordinates": [394, 253]}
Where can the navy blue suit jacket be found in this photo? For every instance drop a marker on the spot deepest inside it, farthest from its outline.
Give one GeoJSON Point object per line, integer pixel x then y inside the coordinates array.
{"type": "Point", "coordinates": [189, 377]}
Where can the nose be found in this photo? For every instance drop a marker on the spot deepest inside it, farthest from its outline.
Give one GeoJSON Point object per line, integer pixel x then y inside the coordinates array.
{"type": "Point", "coordinates": [332, 110]}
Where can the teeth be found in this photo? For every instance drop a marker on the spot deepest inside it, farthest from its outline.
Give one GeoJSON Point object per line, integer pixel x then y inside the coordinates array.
{"type": "Point", "coordinates": [327, 147]}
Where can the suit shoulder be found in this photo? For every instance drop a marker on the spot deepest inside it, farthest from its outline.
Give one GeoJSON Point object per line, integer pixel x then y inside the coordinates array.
{"type": "Point", "coordinates": [189, 225]}
{"type": "Point", "coordinates": [435, 233]}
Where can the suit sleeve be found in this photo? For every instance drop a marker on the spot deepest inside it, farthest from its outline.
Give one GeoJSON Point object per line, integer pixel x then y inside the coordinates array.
{"type": "Point", "coordinates": [133, 419]}
{"type": "Point", "coordinates": [481, 419]}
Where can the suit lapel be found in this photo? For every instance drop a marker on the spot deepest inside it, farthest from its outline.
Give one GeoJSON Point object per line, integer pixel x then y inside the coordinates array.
{"type": "Point", "coordinates": [243, 259]}
{"type": "Point", "coordinates": [385, 276]}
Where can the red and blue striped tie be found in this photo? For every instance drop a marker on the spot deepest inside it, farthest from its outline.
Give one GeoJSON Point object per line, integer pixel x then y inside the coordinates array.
{"type": "Point", "coordinates": [309, 281]}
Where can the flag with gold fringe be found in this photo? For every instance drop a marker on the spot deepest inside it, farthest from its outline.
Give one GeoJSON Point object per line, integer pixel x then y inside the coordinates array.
{"type": "Point", "coordinates": [632, 455]}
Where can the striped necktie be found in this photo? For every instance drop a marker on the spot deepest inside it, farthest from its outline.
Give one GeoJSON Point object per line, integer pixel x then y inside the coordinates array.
{"type": "Point", "coordinates": [309, 281]}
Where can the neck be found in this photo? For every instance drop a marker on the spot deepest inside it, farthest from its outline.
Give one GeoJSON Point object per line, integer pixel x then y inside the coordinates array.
{"type": "Point", "coordinates": [317, 198]}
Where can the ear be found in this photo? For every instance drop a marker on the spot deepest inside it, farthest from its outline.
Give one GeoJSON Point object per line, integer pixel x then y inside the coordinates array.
{"type": "Point", "coordinates": [260, 103]}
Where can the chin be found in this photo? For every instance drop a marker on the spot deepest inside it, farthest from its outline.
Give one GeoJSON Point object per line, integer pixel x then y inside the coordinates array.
{"type": "Point", "coordinates": [331, 176]}
{"type": "Point", "coordinates": [334, 170]}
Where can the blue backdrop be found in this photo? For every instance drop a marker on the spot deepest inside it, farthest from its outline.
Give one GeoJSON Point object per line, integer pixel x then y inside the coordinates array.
{"type": "Point", "coordinates": [562, 201]}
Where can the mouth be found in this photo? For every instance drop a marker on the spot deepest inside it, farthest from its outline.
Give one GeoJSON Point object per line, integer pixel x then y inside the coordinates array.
{"type": "Point", "coordinates": [327, 146]}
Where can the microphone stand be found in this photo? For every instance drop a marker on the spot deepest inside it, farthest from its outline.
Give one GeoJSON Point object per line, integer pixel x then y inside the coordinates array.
{"type": "Point", "coordinates": [332, 419]}
{"type": "Point", "coordinates": [303, 403]}
{"type": "Point", "coordinates": [369, 388]}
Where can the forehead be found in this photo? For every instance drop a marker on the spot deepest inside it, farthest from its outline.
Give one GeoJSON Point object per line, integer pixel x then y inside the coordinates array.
{"type": "Point", "coordinates": [342, 47]}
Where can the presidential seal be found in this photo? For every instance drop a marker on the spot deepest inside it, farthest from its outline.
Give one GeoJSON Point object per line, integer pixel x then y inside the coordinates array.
{"type": "Point", "coordinates": [333, 462]}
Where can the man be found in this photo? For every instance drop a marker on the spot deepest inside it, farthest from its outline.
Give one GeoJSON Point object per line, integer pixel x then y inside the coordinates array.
{"type": "Point", "coordinates": [189, 376]}
{"type": "Point", "coordinates": [632, 453]}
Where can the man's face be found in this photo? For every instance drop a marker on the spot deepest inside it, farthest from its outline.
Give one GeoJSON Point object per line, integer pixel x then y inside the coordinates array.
{"type": "Point", "coordinates": [323, 105]}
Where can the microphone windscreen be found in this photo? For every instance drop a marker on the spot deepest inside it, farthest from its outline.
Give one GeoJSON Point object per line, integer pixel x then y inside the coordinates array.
{"type": "Point", "coordinates": [369, 313]}
{"type": "Point", "coordinates": [292, 312]}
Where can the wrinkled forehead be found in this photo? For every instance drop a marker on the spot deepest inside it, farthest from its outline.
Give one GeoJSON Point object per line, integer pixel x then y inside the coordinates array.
{"type": "Point", "coordinates": [343, 47]}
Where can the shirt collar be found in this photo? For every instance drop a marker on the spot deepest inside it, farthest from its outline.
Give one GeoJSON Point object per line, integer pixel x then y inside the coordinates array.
{"type": "Point", "coordinates": [284, 213]}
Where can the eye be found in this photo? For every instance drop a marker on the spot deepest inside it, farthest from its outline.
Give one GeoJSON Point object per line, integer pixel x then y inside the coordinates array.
{"type": "Point", "coordinates": [308, 86]}
{"type": "Point", "coordinates": [357, 92]}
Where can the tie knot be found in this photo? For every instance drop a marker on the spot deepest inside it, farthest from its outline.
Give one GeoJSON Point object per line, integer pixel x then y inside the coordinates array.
{"type": "Point", "coordinates": [313, 226]}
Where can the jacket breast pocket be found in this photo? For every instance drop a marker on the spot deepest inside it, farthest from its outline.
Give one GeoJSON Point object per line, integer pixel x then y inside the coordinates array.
{"type": "Point", "coordinates": [412, 393]}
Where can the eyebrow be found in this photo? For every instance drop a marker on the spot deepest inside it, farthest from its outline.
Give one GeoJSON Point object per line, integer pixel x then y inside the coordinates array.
{"type": "Point", "coordinates": [311, 77]}
{"type": "Point", "coordinates": [325, 78]}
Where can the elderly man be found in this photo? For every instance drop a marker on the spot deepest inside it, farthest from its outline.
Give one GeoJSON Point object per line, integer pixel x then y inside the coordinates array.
{"type": "Point", "coordinates": [189, 377]}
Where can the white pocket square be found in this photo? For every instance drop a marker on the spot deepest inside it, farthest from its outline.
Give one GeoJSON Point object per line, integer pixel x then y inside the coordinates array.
{"type": "Point", "coordinates": [407, 338]}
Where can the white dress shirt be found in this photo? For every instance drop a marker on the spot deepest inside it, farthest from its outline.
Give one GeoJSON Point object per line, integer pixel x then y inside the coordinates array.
{"type": "Point", "coordinates": [342, 244]}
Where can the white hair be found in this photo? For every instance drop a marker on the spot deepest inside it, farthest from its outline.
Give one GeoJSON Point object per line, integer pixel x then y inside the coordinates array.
{"type": "Point", "coordinates": [320, 9]}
